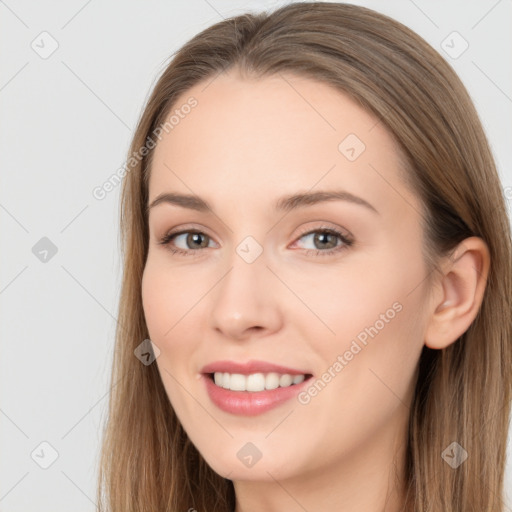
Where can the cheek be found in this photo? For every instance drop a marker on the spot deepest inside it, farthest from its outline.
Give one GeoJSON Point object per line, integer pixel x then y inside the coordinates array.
{"type": "Point", "coordinates": [385, 320]}
{"type": "Point", "coordinates": [155, 301]}
{"type": "Point", "coordinates": [165, 310]}
{"type": "Point", "coordinates": [172, 309]}
{"type": "Point", "coordinates": [165, 299]}
{"type": "Point", "coordinates": [349, 301]}
{"type": "Point", "coordinates": [369, 365]}
{"type": "Point", "coordinates": [374, 313]}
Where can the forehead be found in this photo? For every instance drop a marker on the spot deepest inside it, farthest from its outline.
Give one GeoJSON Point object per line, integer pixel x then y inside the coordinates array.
{"type": "Point", "coordinates": [283, 133]}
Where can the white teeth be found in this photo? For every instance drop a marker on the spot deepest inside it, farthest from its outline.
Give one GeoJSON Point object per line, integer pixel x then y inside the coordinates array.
{"type": "Point", "coordinates": [255, 381]}
{"type": "Point", "coordinates": [272, 381]}
{"type": "Point", "coordinates": [285, 380]}
{"type": "Point", "coordinates": [237, 382]}
{"type": "Point", "coordinates": [297, 379]}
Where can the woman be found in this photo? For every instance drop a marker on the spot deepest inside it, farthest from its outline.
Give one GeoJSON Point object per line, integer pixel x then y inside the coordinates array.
{"type": "Point", "coordinates": [370, 374]}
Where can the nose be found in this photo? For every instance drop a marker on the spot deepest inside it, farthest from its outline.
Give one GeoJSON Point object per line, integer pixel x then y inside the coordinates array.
{"type": "Point", "coordinates": [245, 303]}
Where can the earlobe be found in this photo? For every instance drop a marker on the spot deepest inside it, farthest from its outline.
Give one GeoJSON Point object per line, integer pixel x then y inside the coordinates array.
{"type": "Point", "coordinates": [459, 297]}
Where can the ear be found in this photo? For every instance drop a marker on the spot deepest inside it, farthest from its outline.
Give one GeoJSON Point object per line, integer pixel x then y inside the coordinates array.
{"type": "Point", "coordinates": [458, 297]}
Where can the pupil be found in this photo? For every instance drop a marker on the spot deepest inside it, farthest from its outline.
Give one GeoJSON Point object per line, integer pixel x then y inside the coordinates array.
{"type": "Point", "coordinates": [196, 237]}
{"type": "Point", "coordinates": [322, 240]}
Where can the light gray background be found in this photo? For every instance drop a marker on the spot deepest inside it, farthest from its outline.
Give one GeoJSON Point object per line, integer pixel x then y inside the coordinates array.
{"type": "Point", "coordinates": [65, 127]}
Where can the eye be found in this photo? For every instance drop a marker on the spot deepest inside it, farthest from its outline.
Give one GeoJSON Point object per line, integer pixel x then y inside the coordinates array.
{"type": "Point", "coordinates": [325, 241]}
{"type": "Point", "coordinates": [192, 238]}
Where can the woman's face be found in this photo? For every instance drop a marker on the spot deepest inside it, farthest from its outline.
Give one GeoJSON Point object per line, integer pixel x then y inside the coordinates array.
{"type": "Point", "coordinates": [265, 293]}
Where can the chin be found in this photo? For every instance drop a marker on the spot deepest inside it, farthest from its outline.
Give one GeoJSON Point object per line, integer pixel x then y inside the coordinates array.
{"type": "Point", "coordinates": [244, 461]}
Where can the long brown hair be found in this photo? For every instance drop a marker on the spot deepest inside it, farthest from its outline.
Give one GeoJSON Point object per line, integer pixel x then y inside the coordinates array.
{"type": "Point", "coordinates": [463, 392]}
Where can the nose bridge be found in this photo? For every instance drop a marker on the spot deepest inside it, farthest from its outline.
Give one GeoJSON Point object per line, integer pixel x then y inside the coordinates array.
{"type": "Point", "coordinates": [244, 299]}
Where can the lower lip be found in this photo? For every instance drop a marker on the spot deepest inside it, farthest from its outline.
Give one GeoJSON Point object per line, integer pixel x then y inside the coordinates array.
{"type": "Point", "coordinates": [248, 403]}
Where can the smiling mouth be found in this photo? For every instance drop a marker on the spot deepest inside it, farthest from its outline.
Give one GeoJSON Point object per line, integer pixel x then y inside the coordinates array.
{"type": "Point", "coordinates": [256, 382]}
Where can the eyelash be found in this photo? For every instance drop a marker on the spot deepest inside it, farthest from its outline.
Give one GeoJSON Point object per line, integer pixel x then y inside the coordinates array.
{"type": "Point", "coordinates": [347, 242]}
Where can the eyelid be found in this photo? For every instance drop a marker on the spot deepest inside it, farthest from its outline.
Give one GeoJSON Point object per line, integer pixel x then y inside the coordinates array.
{"type": "Point", "coordinates": [326, 226]}
{"type": "Point", "coordinates": [186, 228]}
{"type": "Point", "coordinates": [342, 234]}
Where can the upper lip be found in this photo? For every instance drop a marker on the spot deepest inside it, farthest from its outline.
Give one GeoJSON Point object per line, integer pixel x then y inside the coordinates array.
{"type": "Point", "coordinates": [249, 367]}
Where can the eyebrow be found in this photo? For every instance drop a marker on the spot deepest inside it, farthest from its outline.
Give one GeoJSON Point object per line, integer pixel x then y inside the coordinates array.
{"type": "Point", "coordinates": [284, 204]}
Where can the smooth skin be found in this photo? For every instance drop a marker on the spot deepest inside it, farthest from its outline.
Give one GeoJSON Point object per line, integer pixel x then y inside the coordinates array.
{"type": "Point", "coordinates": [245, 145]}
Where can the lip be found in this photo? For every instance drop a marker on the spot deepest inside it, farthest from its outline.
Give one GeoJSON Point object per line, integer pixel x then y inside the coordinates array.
{"type": "Point", "coordinates": [249, 403]}
{"type": "Point", "coordinates": [249, 367]}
